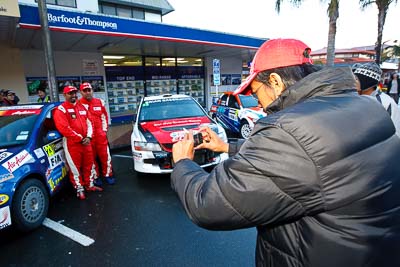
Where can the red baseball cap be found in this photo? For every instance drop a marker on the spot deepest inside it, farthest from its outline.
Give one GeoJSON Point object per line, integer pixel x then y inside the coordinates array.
{"type": "Point", "coordinates": [275, 53]}
{"type": "Point", "coordinates": [85, 86]}
{"type": "Point", "coordinates": [69, 88]}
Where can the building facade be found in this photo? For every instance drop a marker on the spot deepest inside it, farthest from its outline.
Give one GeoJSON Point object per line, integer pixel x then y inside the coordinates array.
{"type": "Point", "coordinates": [123, 48]}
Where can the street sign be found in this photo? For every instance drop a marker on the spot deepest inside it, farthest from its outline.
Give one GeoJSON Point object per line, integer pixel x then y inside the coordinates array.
{"type": "Point", "coordinates": [216, 72]}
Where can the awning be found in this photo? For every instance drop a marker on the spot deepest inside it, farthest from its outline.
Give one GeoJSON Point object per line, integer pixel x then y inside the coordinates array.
{"type": "Point", "coordinates": [88, 32]}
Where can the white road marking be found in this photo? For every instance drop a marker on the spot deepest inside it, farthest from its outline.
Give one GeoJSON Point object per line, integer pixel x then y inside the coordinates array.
{"type": "Point", "coordinates": [68, 232]}
{"type": "Point", "coordinates": [122, 156]}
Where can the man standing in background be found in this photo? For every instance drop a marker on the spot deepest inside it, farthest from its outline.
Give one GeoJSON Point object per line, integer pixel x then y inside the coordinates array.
{"type": "Point", "coordinates": [100, 148]}
{"type": "Point", "coordinates": [393, 87]}
{"type": "Point", "coordinates": [42, 96]}
{"type": "Point", "coordinates": [368, 77]}
{"type": "Point", "coordinates": [2, 92]}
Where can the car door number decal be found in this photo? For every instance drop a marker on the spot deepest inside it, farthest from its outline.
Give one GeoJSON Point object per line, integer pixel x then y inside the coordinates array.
{"type": "Point", "coordinates": [233, 114]}
{"type": "Point", "coordinates": [49, 149]}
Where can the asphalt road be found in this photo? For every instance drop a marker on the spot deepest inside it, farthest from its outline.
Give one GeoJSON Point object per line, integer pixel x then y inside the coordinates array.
{"type": "Point", "coordinates": [136, 222]}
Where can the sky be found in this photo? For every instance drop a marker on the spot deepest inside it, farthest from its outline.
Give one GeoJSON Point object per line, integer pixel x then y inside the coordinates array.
{"type": "Point", "coordinates": [309, 22]}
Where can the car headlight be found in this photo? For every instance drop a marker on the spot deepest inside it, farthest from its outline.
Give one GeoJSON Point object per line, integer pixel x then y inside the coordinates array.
{"type": "Point", "coordinates": [145, 146]}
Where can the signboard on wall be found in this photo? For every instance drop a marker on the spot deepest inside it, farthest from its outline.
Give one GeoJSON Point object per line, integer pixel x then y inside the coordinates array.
{"type": "Point", "coordinates": [216, 72]}
{"type": "Point", "coordinates": [63, 81]}
{"type": "Point", "coordinates": [97, 82]}
{"type": "Point", "coordinates": [33, 84]}
{"type": "Point", "coordinates": [90, 67]}
{"type": "Point", "coordinates": [9, 8]}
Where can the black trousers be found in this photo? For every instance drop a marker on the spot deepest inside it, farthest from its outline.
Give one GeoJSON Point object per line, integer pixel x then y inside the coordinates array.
{"type": "Point", "coordinates": [395, 97]}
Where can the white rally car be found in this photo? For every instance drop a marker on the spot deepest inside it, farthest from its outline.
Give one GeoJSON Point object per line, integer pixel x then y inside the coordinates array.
{"type": "Point", "coordinates": [161, 121]}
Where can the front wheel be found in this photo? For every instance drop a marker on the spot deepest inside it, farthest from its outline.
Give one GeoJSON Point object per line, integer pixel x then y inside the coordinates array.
{"type": "Point", "coordinates": [245, 130]}
{"type": "Point", "coordinates": [30, 205]}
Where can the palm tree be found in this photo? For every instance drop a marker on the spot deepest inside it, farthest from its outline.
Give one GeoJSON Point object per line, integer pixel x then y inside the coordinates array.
{"type": "Point", "coordinates": [383, 7]}
{"type": "Point", "coordinates": [333, 13]}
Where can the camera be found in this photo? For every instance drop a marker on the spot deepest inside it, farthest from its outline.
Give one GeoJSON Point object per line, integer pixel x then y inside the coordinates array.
{"type": "Point", "coordinates": [198, 139]}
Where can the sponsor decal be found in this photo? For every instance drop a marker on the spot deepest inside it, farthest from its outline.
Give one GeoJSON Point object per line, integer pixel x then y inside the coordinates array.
{"type": "Point", "coordinates": [21, 137]}
{"type": "Point", "coordinates": [55, 176]}
{"type": "Point", "coordinates": [173, 122]}
{"type": "Point", "coordinates": [3, 199]}
{"type": "Point", "coordinates": [166, 100]}
{"type": "Point", "coordinates": [39, 153]}
{"type": "Point", "coordinates": [177, 136]}
{"type": "Point", "coordinates": [82, 112]}
{"type": "Point", "coordinates": [137, 156]}
{"type": "Point", "coordinates": [52, 148]}
{"type": "Point", "coordinates": [56, 159]}
{"type": "Point", "coordinates": [97, 108]}
{"type": "Point", "coordinates": [58, 145]}
{"type": "Point", "coordinates": [5, 218]}
{"type": "Point", "coordinates": [22, 108]}
{"type": "Point", "coordinates": [233, 114]}
{"type": "Point", "coordinates": [24, 112]}
{"type": "Point", "coordinates": [80, 20]}
{"type": "Point", "coordinates": [6, 176]}
{"type": "Point", "coordinates": [49, 150]}
{"type": "Point", "coordinates": [4, 155]}
{"type": "Point", "coordinates": [17, 161]}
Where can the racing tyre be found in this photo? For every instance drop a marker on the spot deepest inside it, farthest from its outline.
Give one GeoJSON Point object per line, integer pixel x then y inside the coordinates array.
{"type": "Point", "coordinates": [245, 130]}
{"type": "Point", "coordinates": [30, 205]}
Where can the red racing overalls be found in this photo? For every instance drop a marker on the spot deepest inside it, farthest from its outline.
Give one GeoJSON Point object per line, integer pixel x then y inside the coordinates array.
{"type": "Point", "coordinates": [73, 122]}
{"type": "Point", "coordinates": [99, 117]}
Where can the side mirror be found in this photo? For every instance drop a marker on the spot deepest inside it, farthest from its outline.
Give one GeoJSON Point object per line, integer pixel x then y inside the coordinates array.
{"type": "Point", "coordinates": [52, 135]}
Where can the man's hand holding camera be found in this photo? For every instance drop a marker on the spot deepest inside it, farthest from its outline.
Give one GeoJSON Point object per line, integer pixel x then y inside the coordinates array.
{"type": "Point", "coordinates": [184, 149]}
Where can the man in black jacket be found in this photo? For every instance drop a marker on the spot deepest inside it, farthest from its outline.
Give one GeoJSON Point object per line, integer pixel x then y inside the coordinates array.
{"type": "Point", "coordinates": [313, 177]}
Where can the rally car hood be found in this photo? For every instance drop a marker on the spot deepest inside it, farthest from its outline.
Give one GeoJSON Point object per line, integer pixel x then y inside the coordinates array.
{"type": "Point", "coordinates": [171, 131]}
{"type": "Point", "coordinates": [257, 109]}
{"type": "Point", "coordinates": [256, 112]}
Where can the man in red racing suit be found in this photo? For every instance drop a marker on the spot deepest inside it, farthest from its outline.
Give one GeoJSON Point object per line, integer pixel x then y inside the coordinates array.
{"type": "Point", "coordinates": [99, 117]}
{"type": "Point", "coordinates": [73, 122]}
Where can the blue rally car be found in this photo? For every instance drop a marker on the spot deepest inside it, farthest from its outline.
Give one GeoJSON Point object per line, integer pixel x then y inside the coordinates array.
{"type": "Point", "coordinates": [32, 164]}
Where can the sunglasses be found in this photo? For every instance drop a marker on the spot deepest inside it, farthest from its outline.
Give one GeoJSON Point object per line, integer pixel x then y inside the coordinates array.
{"type": "Point", "coordinates": [87, 90]}
{"type": "Point", "coordinates": [72, 93]}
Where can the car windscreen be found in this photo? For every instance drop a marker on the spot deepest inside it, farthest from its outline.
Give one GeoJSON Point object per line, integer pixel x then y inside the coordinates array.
{"type": "Point", "coordinates": [16, 129]}
{"type": "Point", "coordinates": [248, 101]}
{"type": "Point", "coordinates": [170, 108]}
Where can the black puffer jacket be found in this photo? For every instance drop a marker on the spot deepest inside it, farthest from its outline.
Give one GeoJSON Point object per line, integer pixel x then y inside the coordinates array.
{"type": "Point", "coordinates": [313, 178]}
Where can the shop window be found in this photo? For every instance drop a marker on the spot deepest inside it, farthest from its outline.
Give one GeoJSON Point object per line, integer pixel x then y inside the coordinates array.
{"type": "Point", "coordinates": [124, 12]}
{"type": "Point", "coordinates": [137, 13]}
{"type": "Point", "coordinates": [168, 61]}
{"type": "Point", "coordinates": [191, 78]}
{"type": "Point", "coordinates": [108, 9]}
{"type": "Point", "coordinates": [67, 3]}
{"type": "Point", "coordinates": [152, 61]}
{"type": "Point", "coordinates": [189, 61]}
{"type": "Point", "coordinates": [152, 16]}
{"type": "Point", "coordinates": [125, 89]}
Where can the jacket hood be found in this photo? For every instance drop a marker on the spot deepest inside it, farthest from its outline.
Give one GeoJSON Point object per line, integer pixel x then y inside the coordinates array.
{"type": "Point", "coordinates": [328, 81]}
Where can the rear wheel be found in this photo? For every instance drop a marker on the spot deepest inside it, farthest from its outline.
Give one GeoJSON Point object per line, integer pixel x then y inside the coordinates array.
{"type": "Point", "coordinates": [30, 205]}
{"type": "Point", "coordinates": [245, 130]}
